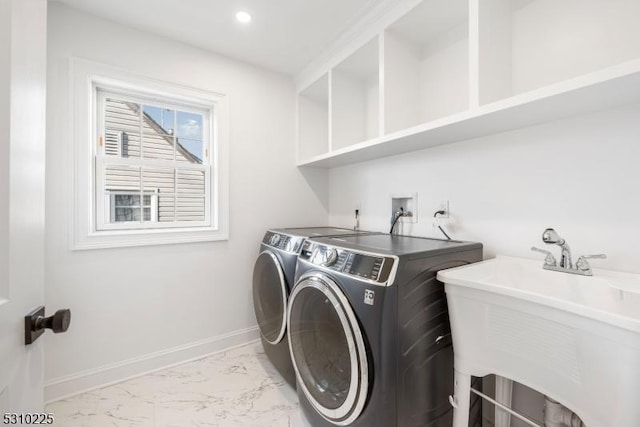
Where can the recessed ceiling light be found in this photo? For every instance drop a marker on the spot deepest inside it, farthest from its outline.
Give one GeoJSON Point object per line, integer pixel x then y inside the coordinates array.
{"type": "Point", "coordinates": [243, 17]}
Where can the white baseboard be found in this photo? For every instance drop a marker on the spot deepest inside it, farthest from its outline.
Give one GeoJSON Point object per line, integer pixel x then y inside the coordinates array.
{"type": "Point", "coordinates": [70, 385]}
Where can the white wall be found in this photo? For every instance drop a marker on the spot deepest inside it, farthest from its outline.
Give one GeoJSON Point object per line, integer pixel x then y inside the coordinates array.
{"type": "Point", "coordinates": [444, 74]}
{"type": "Point", "coordinates": [131, 303]}
{"type": "Point", "coordinates": [402, 76]}
{"type": "Point", "coordinates": [313, 119]}
{"type": "Point", "coordinates": [372, 107]}
{"type": "Point", "coordinates": [349, 110]}
{"type": "Point", "coordinates": [355, 106]}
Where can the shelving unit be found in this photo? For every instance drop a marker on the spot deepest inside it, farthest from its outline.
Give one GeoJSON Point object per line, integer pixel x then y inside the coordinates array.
{"type": "Point", "coordinates": [313, 119]}
{"type": "Point", "coordinates": [426, 64]}
{"type": "Point", "coordinates": [459, 69]}
{"type": "Point", "coordinates": [355, 95]}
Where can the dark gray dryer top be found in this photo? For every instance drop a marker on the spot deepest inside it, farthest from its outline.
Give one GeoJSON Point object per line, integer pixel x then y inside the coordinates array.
{"type": "Point", "coordinates": [392, 244]}
{"type": "Point", "coordinates": [318, 231]}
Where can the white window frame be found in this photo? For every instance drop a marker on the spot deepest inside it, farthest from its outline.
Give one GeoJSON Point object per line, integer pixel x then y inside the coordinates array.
{"type": "Point", "coordinates": [110, 205]}
{"type": "Point", "coordinates": [87, 231]}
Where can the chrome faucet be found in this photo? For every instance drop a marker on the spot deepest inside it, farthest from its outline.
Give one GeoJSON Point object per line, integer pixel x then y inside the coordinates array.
{"type": "Point", "coordinates": [551, 237]}
{"type": "Point", "coordinates": [582, 267]}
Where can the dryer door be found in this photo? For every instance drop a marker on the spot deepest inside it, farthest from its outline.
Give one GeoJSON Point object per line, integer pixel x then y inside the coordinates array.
{"type": "Point", "coordinates": [270, 297]}
{"type": "Point", "coordinates": [328, 350]}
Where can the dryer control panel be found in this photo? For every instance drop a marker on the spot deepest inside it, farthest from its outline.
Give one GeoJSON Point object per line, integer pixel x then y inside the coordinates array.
{"type": "Point", "coordinates": [367, 266]}
{"type": "Point", "coordinates": [283, 241]}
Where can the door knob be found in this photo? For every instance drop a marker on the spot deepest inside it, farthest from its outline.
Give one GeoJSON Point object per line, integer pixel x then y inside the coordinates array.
{"type": "Point", "coordinates": [35, 323]}
{"type": "Point", "coordinates": [59, 322]}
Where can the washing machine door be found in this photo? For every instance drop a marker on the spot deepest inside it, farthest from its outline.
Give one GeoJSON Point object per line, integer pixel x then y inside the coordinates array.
{"type": "Point", "coordinates": [328, 350]}
{"type": "Point", "coordinates": [270, 297]}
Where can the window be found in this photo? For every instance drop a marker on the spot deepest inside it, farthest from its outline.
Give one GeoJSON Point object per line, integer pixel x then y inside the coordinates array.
{"type": "Point", "coordinates": [156, 161]}
{"type": "Point", "coordinates": [149, 145]}
{"type": "Point", "coordinates": [126, 207]}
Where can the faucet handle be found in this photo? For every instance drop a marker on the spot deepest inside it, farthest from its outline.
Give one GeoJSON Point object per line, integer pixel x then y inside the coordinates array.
{"type": "Point", "coordinates": [549, 259]}
{"type": "Point", "coordinates": [602, 256]}
{"type": "Point", "coordinates": [583, 265]}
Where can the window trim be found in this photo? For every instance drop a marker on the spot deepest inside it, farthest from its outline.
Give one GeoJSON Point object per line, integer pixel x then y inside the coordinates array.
{"type": "Point", "coordinates": [85, 77]}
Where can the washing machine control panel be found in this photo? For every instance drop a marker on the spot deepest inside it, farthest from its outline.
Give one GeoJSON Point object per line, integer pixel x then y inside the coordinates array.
{"type": "Point", "coordinates": [366, 266]}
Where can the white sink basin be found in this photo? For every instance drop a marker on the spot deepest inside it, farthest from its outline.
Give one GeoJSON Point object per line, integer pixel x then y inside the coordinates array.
{"type": "Point", "coordinates": [607, 296]}
{"type": "Point", "coordinates": [573, 338]}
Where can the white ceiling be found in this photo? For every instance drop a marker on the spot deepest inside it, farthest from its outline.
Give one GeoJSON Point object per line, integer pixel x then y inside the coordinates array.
{"type": "Point", "coordinates": [285, 35]}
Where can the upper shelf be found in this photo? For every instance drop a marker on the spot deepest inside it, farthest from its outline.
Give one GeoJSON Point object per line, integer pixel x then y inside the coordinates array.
{"type": "Point", "coordinates": [615, 86]}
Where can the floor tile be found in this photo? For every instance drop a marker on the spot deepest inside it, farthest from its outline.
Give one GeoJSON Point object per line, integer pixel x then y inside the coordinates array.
{"type": "Point", "coordinates": [234, 388]}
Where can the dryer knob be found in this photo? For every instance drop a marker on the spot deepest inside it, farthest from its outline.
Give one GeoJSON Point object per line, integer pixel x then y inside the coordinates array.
{"type": "Point", "coordinates": [330, 258]}
{"type": "Point", "coordinates": [274, 239]}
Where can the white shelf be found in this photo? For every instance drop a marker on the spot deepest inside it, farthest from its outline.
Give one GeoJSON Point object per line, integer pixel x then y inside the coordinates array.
{"type": "Point", "coordinates": [601, 90]}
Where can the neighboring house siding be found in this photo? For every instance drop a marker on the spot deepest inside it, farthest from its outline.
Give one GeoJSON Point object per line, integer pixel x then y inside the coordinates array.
{"type": "Point", "coordinates": [184, 188]}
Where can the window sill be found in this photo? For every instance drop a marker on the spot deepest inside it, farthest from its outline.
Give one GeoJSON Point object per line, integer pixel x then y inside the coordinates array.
{"type": "Point", "coordinates": [150, 237]}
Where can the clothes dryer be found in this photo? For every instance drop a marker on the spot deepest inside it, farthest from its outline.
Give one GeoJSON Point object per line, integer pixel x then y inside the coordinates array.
{"type": "Point", "coordinates": [273, 276]}
{"type": "Point", "coordinates": [369, 331]}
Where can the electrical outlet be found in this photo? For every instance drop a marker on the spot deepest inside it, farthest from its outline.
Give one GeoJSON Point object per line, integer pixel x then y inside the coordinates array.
{"type": "Point", "coordinates": [444, 206]}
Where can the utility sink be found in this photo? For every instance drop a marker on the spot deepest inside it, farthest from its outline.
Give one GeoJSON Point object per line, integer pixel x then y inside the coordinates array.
{"type": "Point", "coordinates": [573, 338]}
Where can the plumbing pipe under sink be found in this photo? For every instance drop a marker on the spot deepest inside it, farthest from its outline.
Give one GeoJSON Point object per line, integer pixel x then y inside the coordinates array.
{"type": "Point", "coordinates": [558, 415]}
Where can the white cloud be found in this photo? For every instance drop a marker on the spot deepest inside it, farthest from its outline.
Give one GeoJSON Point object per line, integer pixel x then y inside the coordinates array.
{"type": "Point", "coordinates": [190, 129]}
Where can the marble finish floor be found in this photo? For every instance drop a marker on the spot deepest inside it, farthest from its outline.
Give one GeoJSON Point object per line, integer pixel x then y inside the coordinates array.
{"type": "Point", "coordinates": [234, 388]}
